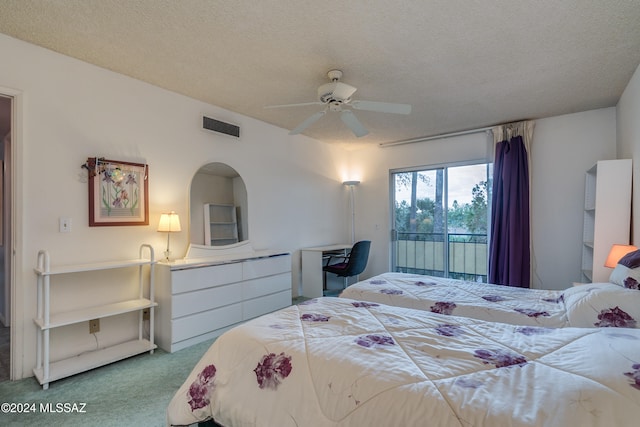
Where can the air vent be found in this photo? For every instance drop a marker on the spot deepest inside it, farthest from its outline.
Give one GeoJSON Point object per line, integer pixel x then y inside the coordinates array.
{"type": "Point", "coordinates": [221, 127]}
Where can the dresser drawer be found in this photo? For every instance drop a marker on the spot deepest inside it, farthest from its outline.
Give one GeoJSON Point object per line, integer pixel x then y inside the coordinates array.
{"type": "Point", "coordinates": [258, 307]}
{"type": "Point", "coordinates": [201, 323]}
{"type": "Point", "coordinates": [266, 285]}
{"type": "Point", "coordinates": [193, 279]}
{"type": "Point", "coordinates": [266, 266]}
{"type": "Point", "coordinates": [194, 302]}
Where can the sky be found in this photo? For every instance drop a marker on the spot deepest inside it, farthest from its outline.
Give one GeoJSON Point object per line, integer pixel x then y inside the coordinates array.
{"type": "Point", "coordinates": [461, 182]}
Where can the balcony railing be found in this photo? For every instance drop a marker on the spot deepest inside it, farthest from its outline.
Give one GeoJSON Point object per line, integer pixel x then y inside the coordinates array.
{"type": "Point", "coordinates": [423, 253]}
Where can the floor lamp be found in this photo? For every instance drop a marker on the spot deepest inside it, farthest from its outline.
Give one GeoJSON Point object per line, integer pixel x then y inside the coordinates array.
{"type": "Point", "coordinates": [352, 184]}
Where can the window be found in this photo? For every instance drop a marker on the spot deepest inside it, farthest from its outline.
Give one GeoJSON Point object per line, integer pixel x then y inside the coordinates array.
{"type": "Point", "coordinates": [429, 239]}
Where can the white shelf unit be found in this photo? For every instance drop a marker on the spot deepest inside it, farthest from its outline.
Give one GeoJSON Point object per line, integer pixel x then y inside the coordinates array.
{"type": "Point", "coordinates": [607, 215]}
{"type": "Point", "coordinates": [47, 371]}
{"type": "Point", "coordinates": [220, 224]}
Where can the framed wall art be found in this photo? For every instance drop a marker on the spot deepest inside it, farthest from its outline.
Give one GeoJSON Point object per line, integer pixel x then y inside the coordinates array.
{"type": "Point", "coordinates": [118, 192]}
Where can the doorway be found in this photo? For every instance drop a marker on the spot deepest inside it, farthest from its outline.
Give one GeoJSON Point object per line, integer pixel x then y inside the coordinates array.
{"type": "Point", "coordinates": [6, 106]}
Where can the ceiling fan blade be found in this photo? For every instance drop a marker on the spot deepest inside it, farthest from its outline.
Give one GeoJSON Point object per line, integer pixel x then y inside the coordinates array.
{"type": "Point", "coordinates": [294, 105]}
{"type": "Point", "coordinates": [381, 107]}
{"type": "Point", "coordinates": [354, 124]}
{"type": "Point", "coordinates": [308, 122]}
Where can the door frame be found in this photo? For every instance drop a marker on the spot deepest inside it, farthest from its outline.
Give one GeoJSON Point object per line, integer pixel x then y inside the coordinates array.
{"type": "Point", "coordinates": [15, 183]}
{"type": "Point", "coordinates": [393, 235]}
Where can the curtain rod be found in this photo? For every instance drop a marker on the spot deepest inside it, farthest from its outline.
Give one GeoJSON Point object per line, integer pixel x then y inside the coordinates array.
{"type": "Point", "coordinates": [441, 136]}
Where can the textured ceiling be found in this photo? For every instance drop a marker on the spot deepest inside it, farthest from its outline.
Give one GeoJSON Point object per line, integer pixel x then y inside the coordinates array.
{"type": "Point", "coordinates": [461, 64]}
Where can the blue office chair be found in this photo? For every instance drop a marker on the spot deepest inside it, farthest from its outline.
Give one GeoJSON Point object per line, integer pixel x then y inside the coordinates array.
{"type": "Point", "coordinates": [351, 265]}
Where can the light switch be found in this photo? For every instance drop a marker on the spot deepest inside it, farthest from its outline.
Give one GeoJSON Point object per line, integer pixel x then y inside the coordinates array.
{"type": "Point", "coordinates": [65, 225]}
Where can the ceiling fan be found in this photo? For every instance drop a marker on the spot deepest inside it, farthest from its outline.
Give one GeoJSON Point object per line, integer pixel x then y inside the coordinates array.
{"type": "Point", "coordinates": [336, 96]}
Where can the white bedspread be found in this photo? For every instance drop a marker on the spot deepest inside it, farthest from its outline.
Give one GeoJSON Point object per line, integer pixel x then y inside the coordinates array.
{"type": "Point", "coordinates": [339, 362]}
{"type": "Point", "coordinates": [588, 305]}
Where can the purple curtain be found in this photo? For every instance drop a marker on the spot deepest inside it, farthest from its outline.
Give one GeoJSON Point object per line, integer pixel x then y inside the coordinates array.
{"type": "Point", "coordinates": [509, 258]}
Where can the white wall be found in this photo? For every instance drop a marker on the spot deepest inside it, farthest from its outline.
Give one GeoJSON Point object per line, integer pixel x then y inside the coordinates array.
{"type": "Point", "coordinates": [563, 149]}
{"type": "Point", "coordinates": [71, 110]}
{"type": "Point", "coordinates": [628, 134]}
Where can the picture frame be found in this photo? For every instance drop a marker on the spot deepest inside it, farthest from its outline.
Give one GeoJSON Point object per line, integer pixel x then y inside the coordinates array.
{"type": "Point", "coordinates": [118, 193]}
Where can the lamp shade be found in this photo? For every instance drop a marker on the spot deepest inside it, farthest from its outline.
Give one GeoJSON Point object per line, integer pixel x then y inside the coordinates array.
{"type": "Point", "coordinates": [169, 222]}
{"type": "Point", "coordinates": [617, 252]}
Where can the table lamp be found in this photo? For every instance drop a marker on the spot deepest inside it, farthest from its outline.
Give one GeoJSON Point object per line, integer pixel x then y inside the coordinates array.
{"type": "Point", "coordinates": [169, 223]}
{"type": "Point", "coordinates": [617, 252]}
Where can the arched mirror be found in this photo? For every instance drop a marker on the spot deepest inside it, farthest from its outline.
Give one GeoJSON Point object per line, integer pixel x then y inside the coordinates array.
{"type": "Point", "coordinates": [218, 205]}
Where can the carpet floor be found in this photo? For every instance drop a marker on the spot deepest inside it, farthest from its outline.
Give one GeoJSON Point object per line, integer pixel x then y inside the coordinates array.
{"type": "Point", "coordinates": [132, 392]}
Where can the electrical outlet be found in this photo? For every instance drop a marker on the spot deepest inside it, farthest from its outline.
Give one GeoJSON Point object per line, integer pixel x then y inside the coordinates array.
{"type": "Point", "coordinates": [94, 326]}
{"type": "Point", "coordinates": [145, 314]}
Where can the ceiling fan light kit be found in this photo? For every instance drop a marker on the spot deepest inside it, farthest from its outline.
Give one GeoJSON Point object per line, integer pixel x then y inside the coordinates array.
{"type": "Point", "coordinates": [336, 91]}
{"type": "Point", "coordinates": [336, 95]}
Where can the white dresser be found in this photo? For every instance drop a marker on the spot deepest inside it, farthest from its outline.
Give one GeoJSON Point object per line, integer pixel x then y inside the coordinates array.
{"type": "Point", "coordinates": [215, 288]}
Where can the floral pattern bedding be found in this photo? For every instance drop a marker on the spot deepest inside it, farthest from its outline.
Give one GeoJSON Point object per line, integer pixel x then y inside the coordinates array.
{"type": "Point", "coordinates": [588, 305]}
{"type": "Point", "coordinates": [341, 362]}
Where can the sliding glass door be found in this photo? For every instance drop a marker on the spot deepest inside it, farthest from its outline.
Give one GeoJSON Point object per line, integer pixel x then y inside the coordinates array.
{"type": "Point", "coordinates": [440, 221]}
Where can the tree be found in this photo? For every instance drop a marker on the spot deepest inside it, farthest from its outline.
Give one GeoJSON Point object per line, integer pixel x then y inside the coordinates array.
{"type": "Point", "coordinates": [438, 213]}
{"type": "Point", "coordinates": [456, 216]}
{"type": "Point", "coordinates": [425, 215]}
{"type": "Point", "coordinates": [476, 219]}
{"type": "Point", "coordinates": [406, 179]}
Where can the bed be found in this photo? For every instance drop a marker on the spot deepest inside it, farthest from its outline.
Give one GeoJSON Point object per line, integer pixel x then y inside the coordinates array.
{"type": "Point", "coordinates": [342, 362]}
{"type": "Point", "coordinates": [584, 305]}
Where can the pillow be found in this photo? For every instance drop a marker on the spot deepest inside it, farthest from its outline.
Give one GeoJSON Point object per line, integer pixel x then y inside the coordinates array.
{"type": "Point", "coordinates": [602, 305]}
{"type": "Point", "coordinates": [631, 260]}
{"type": "Point", "coordinates": [625, 277]}
{"type": "Point", "coordinates": [626, 273]}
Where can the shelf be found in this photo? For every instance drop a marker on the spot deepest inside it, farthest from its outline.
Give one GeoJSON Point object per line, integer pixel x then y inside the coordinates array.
{"type": "Point", "coordinates": [606, 216]}
{"type": "Point", "coordinates": [220, 224]}
{"type": "Point", "coordinates": [45, 320]}
{"type": "Point", "coordinates": [86, 314]}
{"type": "Point", "coordinates": [66, 269]}
{"type": "Point", "coordinates": [93, 359]}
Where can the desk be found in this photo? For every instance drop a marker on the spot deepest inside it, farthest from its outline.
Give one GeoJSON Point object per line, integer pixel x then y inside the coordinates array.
{"type": "Point", "coordinates": [312, 263]}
